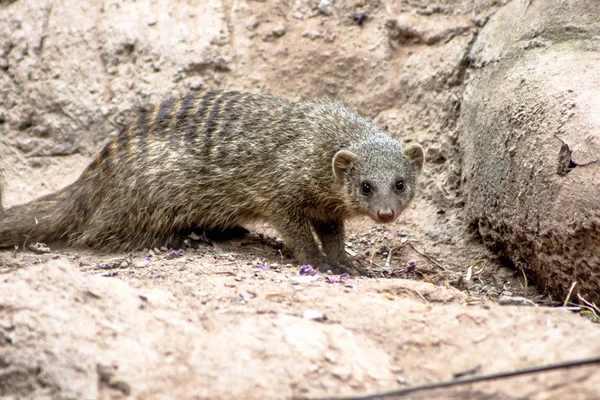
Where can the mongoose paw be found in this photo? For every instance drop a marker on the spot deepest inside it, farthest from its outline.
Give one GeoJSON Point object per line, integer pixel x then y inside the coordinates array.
{"type": "Point", "coordinates": [339, 269]}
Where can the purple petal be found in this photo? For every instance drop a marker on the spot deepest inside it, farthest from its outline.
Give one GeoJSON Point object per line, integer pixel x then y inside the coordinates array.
{"type": "Point", "coordinates": [411, 267]}
{"type": "Point", "coordinates": [174, 254]}
{"type": "Point", "coordinates": [308, 270]}
{"type": "Point", "coordinates": [262, 266]}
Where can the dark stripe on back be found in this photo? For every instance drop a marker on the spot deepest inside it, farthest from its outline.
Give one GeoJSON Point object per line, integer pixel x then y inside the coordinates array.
{"type": "Point", "coordinates": [142, 133]}
{"type": "Point", "coordinates": [199, 118]}
{"type": "Point", "coordinates": [211, 122]}
{"type": "Point", "coordinates": [232, 110]}
{"type": "Point", "coordinates": [161, 124]}
{"type": "Point", "coordinates": [185, 112]}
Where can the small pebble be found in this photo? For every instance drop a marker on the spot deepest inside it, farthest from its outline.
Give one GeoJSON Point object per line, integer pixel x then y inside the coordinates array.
{"type": "Point", "coordinates": [342, 373]}
{"type": "Point", "coordinates": [314, 315]}
{"type": "Point", "coordinates": [39, 248]}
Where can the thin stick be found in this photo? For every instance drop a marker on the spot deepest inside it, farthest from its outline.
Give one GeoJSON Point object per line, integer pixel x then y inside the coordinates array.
{"type": "Point", "coordinates": [424, 299]}
{"type": "Point", "coordinates": [437, 264]}
{"type": "Point", "coordinates": [570, 293]}
{"type": "Point", "coordinates": [591, 306]}
{"type": "Point", "coordinates": [462, 381]}
{"type": "Point", "coordinates": [389, 257]}
{"type": "Point", "coordinates": [526, 283]}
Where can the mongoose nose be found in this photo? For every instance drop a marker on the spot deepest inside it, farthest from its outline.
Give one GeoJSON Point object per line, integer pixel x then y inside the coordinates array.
{"type": "Point", "coordinates": [385, 215]}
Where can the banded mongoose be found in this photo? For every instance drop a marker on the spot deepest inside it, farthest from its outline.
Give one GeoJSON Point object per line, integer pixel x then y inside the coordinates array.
{"type": "Point", "coordinates": [218, 160]}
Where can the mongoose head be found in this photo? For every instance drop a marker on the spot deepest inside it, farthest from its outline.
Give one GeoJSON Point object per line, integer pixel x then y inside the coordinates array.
{"type": "Point", "coordinates": [379, 176]}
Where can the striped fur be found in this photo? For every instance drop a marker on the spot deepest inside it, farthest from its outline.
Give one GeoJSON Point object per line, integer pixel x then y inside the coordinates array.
{"type": "Point", "coordinates": [218, 160]}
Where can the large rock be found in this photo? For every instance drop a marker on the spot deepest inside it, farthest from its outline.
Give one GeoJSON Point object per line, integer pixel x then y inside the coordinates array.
{"type": "Point", "coordinates": [65, 334]}
{"type": "Point", "coordinates": [530, 137]}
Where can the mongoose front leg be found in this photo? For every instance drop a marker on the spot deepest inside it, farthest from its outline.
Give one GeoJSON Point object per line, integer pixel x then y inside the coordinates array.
{"type": "Point", "coordinates": [331, 235]}
{"type": "Point", "coordinates": [297, 233]}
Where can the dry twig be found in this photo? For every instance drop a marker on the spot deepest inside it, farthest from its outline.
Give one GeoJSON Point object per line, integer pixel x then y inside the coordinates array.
{"type": "Point", "coordinates": [437, 264]}
{"type": "Point", "coordinates": [389, 257]}
{"type": "Point", "coordinates": [570, 293]}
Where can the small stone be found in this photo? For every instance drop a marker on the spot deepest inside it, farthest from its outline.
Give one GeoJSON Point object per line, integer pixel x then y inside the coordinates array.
{"type": "Point", "coordinates": [330, 357]}
{"type": "Point", "coordinates": [515, 301]}
{"type": "Point", "coordinates": [27, 145]}
{"type": "Point", "coordinates": [6, 324]}
{"type": "Point", "coordinates": [274, 34]}
{"type": "Point", "coordinates": [314, 315]}
{"type": "Point", "coordinates": [342, 373]}
{"type": "Point", "coordinates": [279, 31]}
{"type": "Point", "coordinates": [427, 11]}
{"type": "Point", "coordinates": [142, 263]}
{"type": "Point", "coordinates": [193, 236]}
{"type": "Point", "coordinates": [312, 35]}
{"type": "Point", "coordinates": [325, 7]}
{"type": "Point", "coordinates": [25, 122]}
{"type": "Point", "coordinates": [39, 248]}
{"type": "Point", "coordinates": [253, 24]}
{"type": "Point", "coordinates": [196, 83]}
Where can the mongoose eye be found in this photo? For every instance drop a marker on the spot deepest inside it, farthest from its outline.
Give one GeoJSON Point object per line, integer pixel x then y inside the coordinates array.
{"type": "Point", "coordinates": [400, 185]}
{"type": "Point", "coordinates": [365, 188]}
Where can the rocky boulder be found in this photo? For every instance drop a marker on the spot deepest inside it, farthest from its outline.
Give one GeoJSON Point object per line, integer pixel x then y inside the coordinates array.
{"type": "Point", "coordinates": [530, 141]}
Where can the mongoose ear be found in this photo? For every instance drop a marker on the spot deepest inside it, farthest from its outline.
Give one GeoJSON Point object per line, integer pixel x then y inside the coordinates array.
{"type": "Point", "coordinates": [415, 154]}
{"type": "Point", "coordinates": [343, 160]}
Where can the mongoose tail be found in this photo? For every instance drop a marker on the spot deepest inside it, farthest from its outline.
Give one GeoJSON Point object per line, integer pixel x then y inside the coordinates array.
{"type": "Point", "coordinates": [47, 219]}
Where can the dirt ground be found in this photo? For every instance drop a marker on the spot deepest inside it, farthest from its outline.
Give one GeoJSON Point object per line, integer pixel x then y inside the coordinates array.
{"type": "Point", "coordinates": [236, 319]}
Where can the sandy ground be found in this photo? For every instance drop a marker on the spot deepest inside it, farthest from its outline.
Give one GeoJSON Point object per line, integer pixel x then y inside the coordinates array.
{"type": "Point", "coordinates": [236, 319]}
